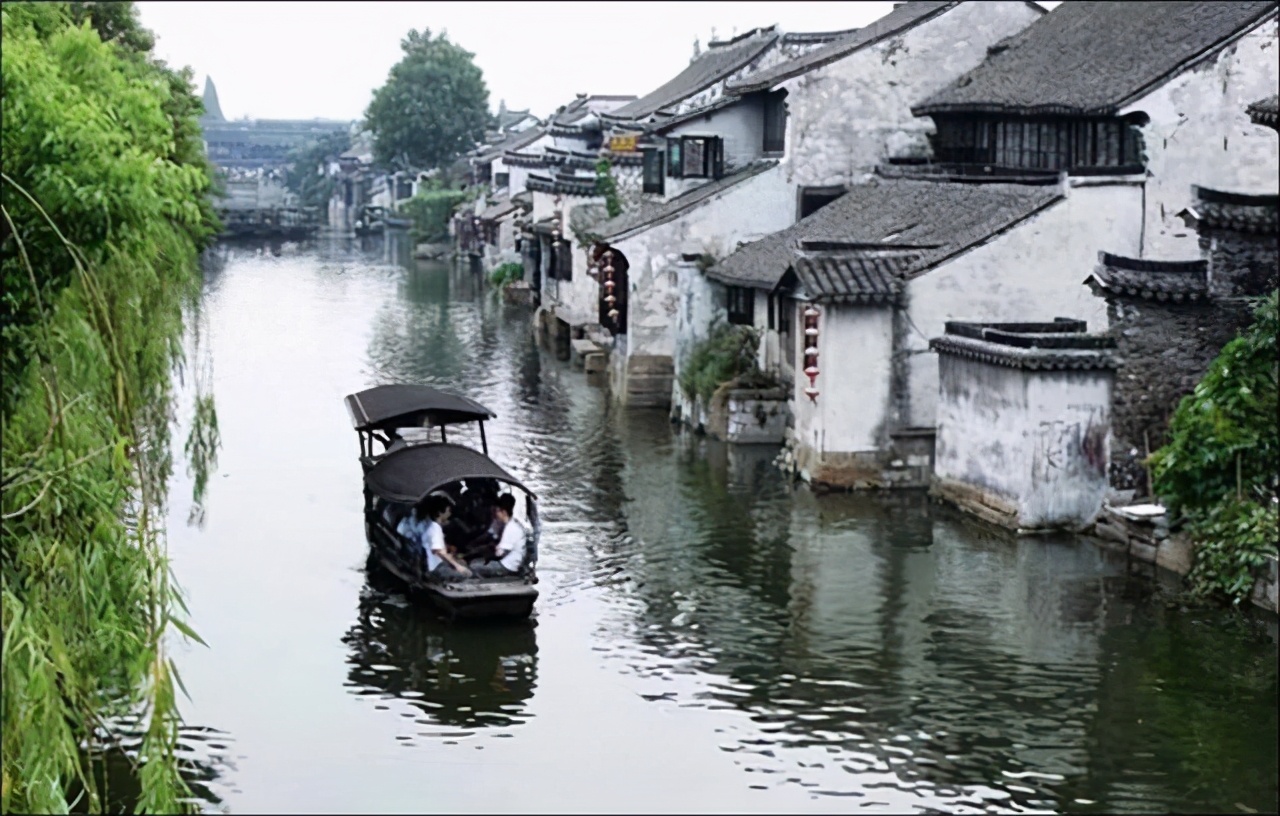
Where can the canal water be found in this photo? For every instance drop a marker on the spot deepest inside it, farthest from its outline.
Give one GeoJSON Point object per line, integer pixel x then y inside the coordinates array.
{"type": "Point", "coordinates": [709, 637]}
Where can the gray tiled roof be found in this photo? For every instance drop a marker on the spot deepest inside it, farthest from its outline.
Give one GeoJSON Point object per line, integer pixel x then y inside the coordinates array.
{"type": "Point", "coordinates": [1238, 212]}
{"type": "Point", "coordinates": [1094, 57]}
{"type": "Point", "coordinates": [812, 37]}
{"type": "Point", "coordinates": [1099, 356]}
{"type": "Point", "coordinates": [498, 207]}
{"type": "Point", "coordinates": [507, 118]}
{"type": "Point", "coordinates": [1264, 111]}
{"type": "Point", "coordinates": [1149, 279]}
{"type": "Point", "coordinates": [652, 213]}
{"type": "Point", "coordinates": [896, 21]}
{"type": "Point", "coordinates": [513, 141]}
{"type": "Point", "coordinates": [938, 218]}
{"type": "Point", "coordinates": [717, 62]}
{"type": "Point", "coordinates": [853, 277]}
{"type": "Point", "coordinates": [570, 115]}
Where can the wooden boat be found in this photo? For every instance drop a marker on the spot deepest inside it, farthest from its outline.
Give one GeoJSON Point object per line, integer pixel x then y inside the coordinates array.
{"type": "Point", "coordinates": [412, 465]}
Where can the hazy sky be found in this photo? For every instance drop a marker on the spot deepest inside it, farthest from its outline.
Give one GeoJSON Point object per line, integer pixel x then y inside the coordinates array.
{"type": "Point", "coordinates": [317, 59]}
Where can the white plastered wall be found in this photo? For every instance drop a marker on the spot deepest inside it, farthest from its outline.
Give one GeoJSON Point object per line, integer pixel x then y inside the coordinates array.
{"type": "Point", "coordinates": [1200, 133]}
{"type": "Point", "coordinates": [847, 117]}
{"type": "Point", "coordinates": [855, 345]}
{"type": "Point", "coordinates": [1033, 272]}
{"type": "Point", "coordinates": [741, 126]}
{"type": "Point", "coordinates": [756, 206]}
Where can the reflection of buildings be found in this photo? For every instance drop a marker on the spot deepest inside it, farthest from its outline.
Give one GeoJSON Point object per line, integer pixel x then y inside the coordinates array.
{"type": "Point", "coordinates": [474, 676]}
{"type": "Point", "coordinates": [877, 629]}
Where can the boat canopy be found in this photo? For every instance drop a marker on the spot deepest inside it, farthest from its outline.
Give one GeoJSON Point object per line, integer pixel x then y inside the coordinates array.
{"type": "Point", "coordinates": [408, 474]}
{"type": "Point", "coordinates": [403, 406]}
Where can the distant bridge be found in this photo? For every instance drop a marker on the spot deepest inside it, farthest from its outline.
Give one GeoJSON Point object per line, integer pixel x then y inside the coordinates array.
{"type": "Point", "coordinates": [261, 208]}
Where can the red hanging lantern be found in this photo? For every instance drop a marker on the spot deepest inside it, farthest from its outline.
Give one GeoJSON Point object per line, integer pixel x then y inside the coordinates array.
{"type": "Point", "coordinates": [811, 314]}
{"type": "Point", "coordinates": [606, 258]}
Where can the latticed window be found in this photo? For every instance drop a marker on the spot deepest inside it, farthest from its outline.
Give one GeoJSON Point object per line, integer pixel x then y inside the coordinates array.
{"type": "Point", "coordinates": [1039, 144]}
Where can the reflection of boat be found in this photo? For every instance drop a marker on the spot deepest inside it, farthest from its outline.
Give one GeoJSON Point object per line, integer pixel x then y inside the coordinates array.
{"type": "Point", "coordinates": [476, 675]}
{"type": "Point", "coordinates": [414, 465]}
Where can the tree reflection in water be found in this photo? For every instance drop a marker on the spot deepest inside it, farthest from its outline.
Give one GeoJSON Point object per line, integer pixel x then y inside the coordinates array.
{"type": "Point", "coordinates": [462, 674]}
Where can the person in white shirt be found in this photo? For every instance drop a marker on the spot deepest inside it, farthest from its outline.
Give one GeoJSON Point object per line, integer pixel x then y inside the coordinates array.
{"type": "Point", "coordinates": [426, 526]}
{"type": "Point", "coordinates": [509, 554]}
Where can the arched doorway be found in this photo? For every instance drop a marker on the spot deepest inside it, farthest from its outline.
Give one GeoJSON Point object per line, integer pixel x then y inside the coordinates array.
{"type": "Point", "coordinates": [611, 267]}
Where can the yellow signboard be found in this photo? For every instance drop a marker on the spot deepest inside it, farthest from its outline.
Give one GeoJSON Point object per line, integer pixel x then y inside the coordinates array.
{"type": "Point", "coordinates": [623, 144]}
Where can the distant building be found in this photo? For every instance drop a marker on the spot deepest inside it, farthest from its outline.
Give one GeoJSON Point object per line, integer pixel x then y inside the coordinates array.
{"type": "Point", "coordinates": [249, 144]}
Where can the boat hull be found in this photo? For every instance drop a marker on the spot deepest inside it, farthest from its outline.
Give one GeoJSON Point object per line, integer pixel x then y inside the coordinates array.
{"type": "Point", "coordinates": [475, 598]}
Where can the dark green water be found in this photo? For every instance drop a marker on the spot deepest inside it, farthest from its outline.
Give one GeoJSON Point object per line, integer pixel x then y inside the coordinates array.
{"type": "Point", "coordinates": [709, 638]}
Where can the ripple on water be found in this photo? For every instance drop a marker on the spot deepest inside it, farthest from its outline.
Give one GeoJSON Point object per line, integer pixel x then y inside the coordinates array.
{"type": "Point", "coordinates": [874, 649]}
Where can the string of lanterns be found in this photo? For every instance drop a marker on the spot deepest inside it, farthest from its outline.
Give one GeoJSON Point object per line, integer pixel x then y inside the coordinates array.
{"type": "Point", "coordinates": [811, 314]}
{"type": "Point", "coordinates": [609, 298]}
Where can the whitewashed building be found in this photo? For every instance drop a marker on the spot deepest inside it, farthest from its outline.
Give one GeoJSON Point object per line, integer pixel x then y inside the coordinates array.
{"type": "Point", "coordinates": [558, 170]}
{"type": "Point", "coordinates": [1024, 422]}
{"type": "Point", "coordinates": [959, 245]}
{"type": "Point", "coordinates": [802, 116]}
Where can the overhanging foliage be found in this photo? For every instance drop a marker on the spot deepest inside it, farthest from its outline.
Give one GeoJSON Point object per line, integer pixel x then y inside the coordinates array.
{"type": "Point", "coordinates": [105, 200]}
{"type": "Point", "coordinates": [1221, 468]}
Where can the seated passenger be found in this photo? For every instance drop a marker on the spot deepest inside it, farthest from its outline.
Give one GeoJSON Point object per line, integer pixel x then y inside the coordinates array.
{"type": "Point", "coordinates": [510, 553]}
{"type": "Point", "coordinates": [424, 525]}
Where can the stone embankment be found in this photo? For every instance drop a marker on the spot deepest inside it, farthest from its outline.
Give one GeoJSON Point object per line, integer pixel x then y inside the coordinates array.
{"type": "Point", "coordinates": [1141, 531]}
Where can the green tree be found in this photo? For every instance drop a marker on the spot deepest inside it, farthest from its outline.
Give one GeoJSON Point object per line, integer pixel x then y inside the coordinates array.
{"type": "Point", "coordinates": [116, 22]}
{"type": "Point", "coordinates": [433, 107]}
{"type": "Point", "coordinates": [1221, 468]}
{"type": "Point", "coordinates": [104, 201]}
{"type": "Point", "coordinates": [302, 174]}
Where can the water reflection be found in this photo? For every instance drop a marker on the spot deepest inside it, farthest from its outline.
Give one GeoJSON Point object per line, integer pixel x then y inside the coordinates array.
{"type": "Point", "coordinates": [875, 647]}
{"type": "Point", "coordinates": [204, 760]}
{"type": "Point", "coordinates": [883, 643]}
{"type": "Point", "coordinates": [472, 676]}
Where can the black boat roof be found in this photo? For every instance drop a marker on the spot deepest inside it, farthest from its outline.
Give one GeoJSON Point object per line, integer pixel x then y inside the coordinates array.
{"type": "Point", "coordinates": [408, 474]}
{"type": "Point", "coordinates": [403, 406]}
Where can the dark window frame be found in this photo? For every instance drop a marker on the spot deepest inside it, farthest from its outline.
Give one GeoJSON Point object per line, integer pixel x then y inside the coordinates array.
{"type": "Point", "coordinates": [1041, 143]}
{"type": "Point", "coordinates": [741, 305]}
{"type": "Point", "coordinates": [786, 306]}
{"type": "Point", "coordinates": [653, 179]}
{"type": "Point", "coordinates": [709, 165]}
{"type": "Point", "coordinates": [562, 258]}
{"type": "Point", "coordinates": [775, 124]}
{"type": "Point", "coordinates": [502, 179]}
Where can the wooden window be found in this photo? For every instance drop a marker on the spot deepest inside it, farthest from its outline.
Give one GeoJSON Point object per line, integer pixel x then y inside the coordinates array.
{"type": "Point", "coordinates": [695, 157]}
{"type": "Point", "coordinates": [675, 168]}
{"type": "Point", "coordinates": [775, 122]}
{"type": "Point", "coordinates": [653, 175]}
{"type": "Point", "coordinates": [742, 306]}
{"type": "Point", "coordinates": [1040, 144]}
{"type": "Point", "coordinates": [562, 257]}
{"type": "Point", "coordinates": [501, 179]}
{"type": "Point", "coordinates": [786, 319]}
